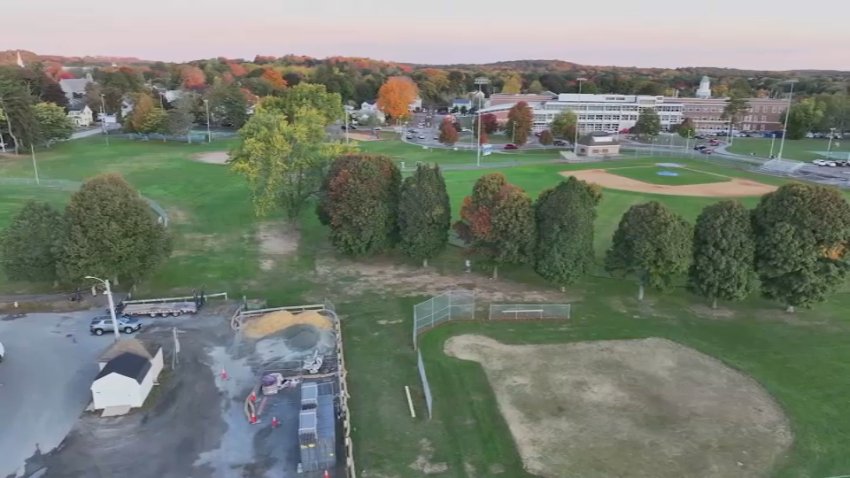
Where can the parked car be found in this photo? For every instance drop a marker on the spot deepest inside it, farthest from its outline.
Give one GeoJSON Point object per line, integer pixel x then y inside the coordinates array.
{"type": "Point", "coordinates": [706, 151]}
{"type": "Point", "coordinates": [511, 146]}
{"type": "Point", "coordinates": [559, 142]}
{"type": "Point", "coordinates": [700, 147]}
{"type": "Point", "coordinates": [819, 162]}
{"type": "Point", "coordinates": [103, 323]}
{"type": "Point", "coordinates": [421, 136]}
{"type": "Point", "coordinates": [2, 352]}
{"type": "Point", "coordinates": [465, 130]}
{"type": "Point", "coordinates": [699, 136]}
{"type": "Point", "coordinates": [713, 142]}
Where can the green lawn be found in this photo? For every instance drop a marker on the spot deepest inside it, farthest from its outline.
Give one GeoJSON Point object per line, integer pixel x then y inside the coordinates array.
{"type": "Point", "coordinates": [800, 149]}
{"type": "Point", "coordinates": [803, 360]}
{"type": "Point", "coordinates": [411, 154]}
{"type": "Point", "coordinates": [649, 174]}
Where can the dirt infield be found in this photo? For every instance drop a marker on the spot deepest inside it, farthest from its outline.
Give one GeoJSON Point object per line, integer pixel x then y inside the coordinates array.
{"type": "Point", "coordinates": [637, 408]}
{"type": "Point", "coordinates": [735, 187]}
{"type": "Point", "coordinates": [363, 137]}
{"type": "Point", "coordinates": [213, 157]}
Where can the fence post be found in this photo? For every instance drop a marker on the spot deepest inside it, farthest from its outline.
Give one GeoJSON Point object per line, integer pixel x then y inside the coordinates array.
{"type": "Point", "coordinates": [450, 306]}
{"type": "Point", "coordinates": [432, 312]}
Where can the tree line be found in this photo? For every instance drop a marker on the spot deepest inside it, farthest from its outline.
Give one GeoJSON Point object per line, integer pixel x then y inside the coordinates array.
{"type": "Point", "coordinates": [106, 230]}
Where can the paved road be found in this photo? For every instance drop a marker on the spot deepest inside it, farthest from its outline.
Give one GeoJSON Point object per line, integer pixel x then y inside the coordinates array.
{"type": "Point", "coordinates": [44, 382]}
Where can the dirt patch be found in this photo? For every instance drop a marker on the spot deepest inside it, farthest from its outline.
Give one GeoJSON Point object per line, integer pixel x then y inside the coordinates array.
{"type": "Point", "coordinates": [212, 157]}
{"type": "Point", "coordinates": [384, 276]}
{"type": "Point", "coordinates": [177, 215]}
{"type": "Point", "coordinates": [709, 313]}
{"type": "Point", "coordinates": [362, 137]}
{"type": "Point", "coordinates": [276, 240]}
{"type": "Point", "coordinates": [423, 461]}
{"type": "Point", "coordinates": [389, 322]}
{"type": "Point", "coordinates": [736, 187]}
{"type": "Point", "coordinates": [638, 408]}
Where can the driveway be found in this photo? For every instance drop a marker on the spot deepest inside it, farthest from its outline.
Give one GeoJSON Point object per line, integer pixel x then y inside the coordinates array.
{"type": "Point", "coordinates": [44, 382]}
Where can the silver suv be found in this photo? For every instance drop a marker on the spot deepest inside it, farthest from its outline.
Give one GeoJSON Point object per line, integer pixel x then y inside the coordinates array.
{"type": "Point", "coordinates": [103, 323]}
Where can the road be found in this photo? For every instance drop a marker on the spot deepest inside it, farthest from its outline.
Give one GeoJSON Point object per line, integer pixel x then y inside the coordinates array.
{"type": "Point", "coordinates": [44, 382]}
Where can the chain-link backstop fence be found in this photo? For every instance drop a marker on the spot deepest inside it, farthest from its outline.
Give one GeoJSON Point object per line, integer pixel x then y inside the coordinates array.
{"type": "Point", "coordinates": [451, 305]}
{"type": "Point", "coordinates": [529, 311]}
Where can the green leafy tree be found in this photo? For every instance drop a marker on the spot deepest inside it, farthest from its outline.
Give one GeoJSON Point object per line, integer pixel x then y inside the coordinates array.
{"type": "Point", "coordinates": [360, 200]}
{"type": "Point", "coordinates": [448, 132]}
{"type": "Point", "coordinates": [648, 123]}
{"type": "Point", "coordinates": [228, 106]}
{"type": "Point", "coordinates": [182, 116]}
{"type": "Point", "coordinates": [802, 232]}
{"type": "Point", "coordinates": [498, 221]}
{"type": "Point", "coordinates": [29, 245]}
{"type": "Point", "coordinates": [283, 161]}
{"type": "Point", "coordinates": [564, 217]}
{"type": "Point", "coordinates": [535, 87]}
{"type": "Point", "coordinates": [111, 232]}
{"type": "Point", "coordinates": [53, 123]}
{"type": "Point", "coordinates": [652, 244]}
{"type": "Point", "coordinates": [19, 121]}
{"type": "Point", "coordinates": [424, 214]}
{"type": "Point", "coordinates": [147, 117]}
{"type": "Point", "coordinates": [546, 137]}
{"type": "Point", "coordinates": [520, 121]}
{"type": "Point", "coordinates": [736, 106]}
{"type": "Point", "coordinates": [804, 117]}
{"type": "Point", "coordinates": [723, 253]}
{"type": "Point", "coordinates": [564, 125]}
{"type": "Point", "coordinates": [686, 128]}
{"type": "Point", "coordinates": [291, 100]}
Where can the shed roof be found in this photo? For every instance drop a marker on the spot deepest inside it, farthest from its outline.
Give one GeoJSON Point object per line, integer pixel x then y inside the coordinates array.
{"type": "Point", "coordinates": [133, 346]}
{"type": "Point", "coordinates": [127, 364]}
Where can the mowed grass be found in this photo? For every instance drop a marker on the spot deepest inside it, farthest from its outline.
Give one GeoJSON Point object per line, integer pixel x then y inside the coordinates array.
{"type": "Point", "coordinates": [683, 176]}
{"type": "Point", "coordinates": [800, 359]}
{"type": "Point", "coordinates": [799, 149]}
{"type": "Point", "coordinates": [410, 154]}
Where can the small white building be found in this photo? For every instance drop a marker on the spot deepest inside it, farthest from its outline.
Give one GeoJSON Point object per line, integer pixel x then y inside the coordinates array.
{"type": "Point", "coordinates": [81, 115]}
{"type": "Point", "coordinates": [598, 144]}
{"type": "Point", "coordinates": [128, 372]}
{"type": "Point", "coordinates": [416, 105]}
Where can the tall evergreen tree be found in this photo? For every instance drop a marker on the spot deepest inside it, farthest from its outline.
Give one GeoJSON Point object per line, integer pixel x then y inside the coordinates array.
{"type": "Point", "coordinates": [723, 253]}
{"type": "Point", "coordinates": [29, 245]}
{"type": "Point", "coordinates": [652, 244]}
{"type": "Point", "coordinates": [359, 201]}
{"type": "Point", "coordinates": [802, 232]}
{"type": "Point", "coordinates": [424, 214]}
{"type": "Point", "coordinates": [111, 233]}
{"type": "Point", "coordinates": [565, 216]}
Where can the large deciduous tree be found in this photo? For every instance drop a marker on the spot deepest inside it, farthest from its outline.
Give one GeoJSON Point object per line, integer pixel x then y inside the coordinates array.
{"type": "Point", "coordinates": [804, 117]}
{"type": "Point", "coordinates": [29, 246]}
{"type": "Point", "coordinates": [192, 77]}
{"type": "Point", "coordinates": [802, 232]}
{"type": "Point", "coordinates": [18, 119]}
{"type": "Point", "coordinates": [564, 125]}
{"type": "Point", "coordinates": [736, 105]}
{"type": "Point", "coordinates": [686, 128]}
{"type": "Point", "coordinates": [497, 220]}
{"type": "Point", "coordinates": [182, 116]}
{"type": "Point", "coordinates": [651, 244]}
{"type": "Point", "coordinates": [283, 159]}
{"type": "Point", "coordinates": [359, 202]}
{"type": "Point", "coordinates": [648, 124]}
{"type": "Point", "coordinates": [111, 233]}
{"type": "Point", "coordinates": [228, 104]}
{"type": "Point", "coordinates": [723, 253]}
{"type": "Point", "coordinates": [489, 123]}
{"type": "Point", "coordinates": [448, 132]}
{"type": "Point", "coordinates": [396, 95]}
{"type": "Point", "coordinates": [424, 214]}
{"type": "Point", "coordinates": [306, 95]}
{"type": "Point", "coordinates": [512, 85]}
{"type": "Point", "coordinates": [564, 216]}
{"type": "Point", "coordinates": [147, 117]}
{"type": "Point", "coordinates": [520, 121]}
{"type": "Point", "coordinates": [546, 137]}
{"type": "Point", "coordinates": [53, 123]}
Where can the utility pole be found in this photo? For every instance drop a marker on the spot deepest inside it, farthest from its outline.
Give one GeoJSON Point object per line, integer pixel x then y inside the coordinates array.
{"type": "Point", "coordinates": [111, 305]}
{"type": "Point", "coordinates": [103, 118]}
{"type": "Point", "coordinates": [787, 113]}
{"type": "Point", "coordinates": [207, 106]}
{"type": "Point", "coordinates": [34, 165]}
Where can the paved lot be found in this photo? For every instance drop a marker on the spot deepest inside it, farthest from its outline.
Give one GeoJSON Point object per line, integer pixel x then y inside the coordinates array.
{"type": "Point", "coordinates": [44, 382]}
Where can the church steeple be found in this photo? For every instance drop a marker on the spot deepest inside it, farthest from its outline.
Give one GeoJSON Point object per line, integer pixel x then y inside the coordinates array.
{"type": "Point", "coordinates": [20, 60]}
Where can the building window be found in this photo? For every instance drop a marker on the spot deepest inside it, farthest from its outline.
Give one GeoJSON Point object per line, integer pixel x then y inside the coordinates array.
{"type": "Point", "coordinates": [763, 118]}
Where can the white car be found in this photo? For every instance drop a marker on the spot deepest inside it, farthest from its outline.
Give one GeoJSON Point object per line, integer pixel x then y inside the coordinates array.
{"type": "Point", "coordinates": [2, 352]}
{"type": "Point", "coordinates": [819, 162]}
{"type": "Point", "coordinates": [831, 164]}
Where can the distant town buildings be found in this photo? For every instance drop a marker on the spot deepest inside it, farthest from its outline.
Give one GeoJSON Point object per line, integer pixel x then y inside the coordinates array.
{"type": "Point", "coordinates": [75, 88]}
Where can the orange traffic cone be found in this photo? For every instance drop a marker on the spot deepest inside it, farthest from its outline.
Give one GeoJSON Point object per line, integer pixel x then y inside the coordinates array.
{"type": "Point", "coordinates": [253, 397]}
{"type": "Point", "coordinates": [253, 419]}
{"type": "Point", "coordinates": [275, 422]}
{"type": "Point", "coordinates": [223, 374]}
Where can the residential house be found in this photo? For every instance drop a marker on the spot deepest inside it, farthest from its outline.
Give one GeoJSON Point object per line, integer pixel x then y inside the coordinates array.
{"type": "Point", "coordinates": [80, 114]}
{"type": "Point", "coordinates": [75, 88]}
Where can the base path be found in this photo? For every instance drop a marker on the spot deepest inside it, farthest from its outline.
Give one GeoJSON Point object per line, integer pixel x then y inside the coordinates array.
{"type": "Point", "coordinates": [735, 187]}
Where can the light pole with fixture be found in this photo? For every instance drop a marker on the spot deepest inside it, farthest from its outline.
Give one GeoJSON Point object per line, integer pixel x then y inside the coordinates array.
{"type": "Point", "coordinates": [787, 113]}
{"type": "Point", "coordinates": [105, 283]}
{"type": "Point", "coordinates": [578, 112]}
{"type": "Point", "coordinates": [207, 106]}
{"type": "Point", "coordinates": [481, 81]}
{"type": "Point", "coordinates": [829, 146]}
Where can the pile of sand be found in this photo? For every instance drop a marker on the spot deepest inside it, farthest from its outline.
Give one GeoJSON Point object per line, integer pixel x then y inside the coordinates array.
{"type": "Point", "coordinates": [273, 322]}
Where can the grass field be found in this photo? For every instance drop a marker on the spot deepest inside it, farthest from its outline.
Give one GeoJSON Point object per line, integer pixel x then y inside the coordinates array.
{"type": "Point", "coordinates": [799, 149]}
{"type": "Point", "coordinates": [649, 174]}
{"type": "Point", "coordinates": [801, 359]}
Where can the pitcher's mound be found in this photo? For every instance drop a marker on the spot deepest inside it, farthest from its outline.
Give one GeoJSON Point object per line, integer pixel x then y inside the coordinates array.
{"type": "Point", "coordinates": [639, 408]}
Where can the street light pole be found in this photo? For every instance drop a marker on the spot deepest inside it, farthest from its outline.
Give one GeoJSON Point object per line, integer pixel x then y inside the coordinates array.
{"type": "Point", "coordinates": [111, 305]}
{"type": "Point", "coordinates": [787, 113]}
{"type": "Point", "coordinates": [578, 112]}
{"type": "Point", "coordinates": [103, 118]}
{"type": "Point", "coordinates": [209, 134]}
{"type": "Point", "coordinates": [829, 146]}
{"type": "Point", "coordinates": [772, 140]}
{"type": "Point", "coordinates": [480, 81]}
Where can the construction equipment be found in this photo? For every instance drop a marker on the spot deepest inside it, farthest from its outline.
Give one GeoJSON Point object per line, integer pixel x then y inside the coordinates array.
{"type": "Point", "coordinates": [274, 382]}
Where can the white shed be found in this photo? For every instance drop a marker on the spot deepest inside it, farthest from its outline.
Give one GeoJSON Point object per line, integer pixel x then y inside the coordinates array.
{"type": "Point", "coordinates": [128, 373]}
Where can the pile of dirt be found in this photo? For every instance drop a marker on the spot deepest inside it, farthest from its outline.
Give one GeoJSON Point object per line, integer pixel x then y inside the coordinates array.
{"type": "Point", "coordinates": [274, 322]}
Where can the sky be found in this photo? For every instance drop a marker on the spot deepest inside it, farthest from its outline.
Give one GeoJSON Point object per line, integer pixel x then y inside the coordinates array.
{"type": "Point", "coordinates": [647, 33]}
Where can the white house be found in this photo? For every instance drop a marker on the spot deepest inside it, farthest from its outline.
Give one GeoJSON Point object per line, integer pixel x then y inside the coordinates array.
{"type": "Point", "coordinates": [127, 375]}
{"type": "Point", "coordinates": [80, 114]}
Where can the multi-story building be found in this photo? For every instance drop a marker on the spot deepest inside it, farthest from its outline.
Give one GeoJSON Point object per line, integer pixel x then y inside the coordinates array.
{"type": "Point", "coordinates": [609, 113]}
{"type": "Point", "coordinates": [763, 114]}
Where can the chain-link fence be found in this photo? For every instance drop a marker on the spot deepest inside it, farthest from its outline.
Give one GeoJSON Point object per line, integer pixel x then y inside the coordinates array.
{"type": "Point", "coordinates": [426, 389]}
{"type": "Point", "coordinates": [529, 311]}
{"type": "Point", "coordinates": [451, 305]}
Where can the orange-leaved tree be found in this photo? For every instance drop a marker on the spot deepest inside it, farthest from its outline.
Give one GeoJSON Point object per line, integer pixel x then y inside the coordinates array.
{"type": "Point", "coordinates": [396, 95]}
{"type": "Point", "coordinates": [192, 77]}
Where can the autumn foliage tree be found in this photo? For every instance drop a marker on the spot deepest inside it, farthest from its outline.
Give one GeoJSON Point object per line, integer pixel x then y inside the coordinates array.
{"type": "Point", "coordinates": [359, 202]}
{"type": "Point", "coordinates": [192, 77]}
{"type": "Point", "coordinates": [497, 220]}
{"type": "Point", "coordinates": [520, 121]}
{"type": "Point", "coordinates": [489, 123]}
{"type": "Point", "coordinates": [396, 95]}
{"type": "Point", "coordinates": [546, 137]}
{"type": "Point", "coordinates": [147, 117]}
{"type": "Point", "coordinates": [274, 78]}
{"type": "Point", "coordinates": [448, 132]}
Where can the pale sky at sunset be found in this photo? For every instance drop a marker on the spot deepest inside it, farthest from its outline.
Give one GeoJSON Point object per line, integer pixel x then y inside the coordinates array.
{"type": "Point", "coordinates": [663, 33]}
